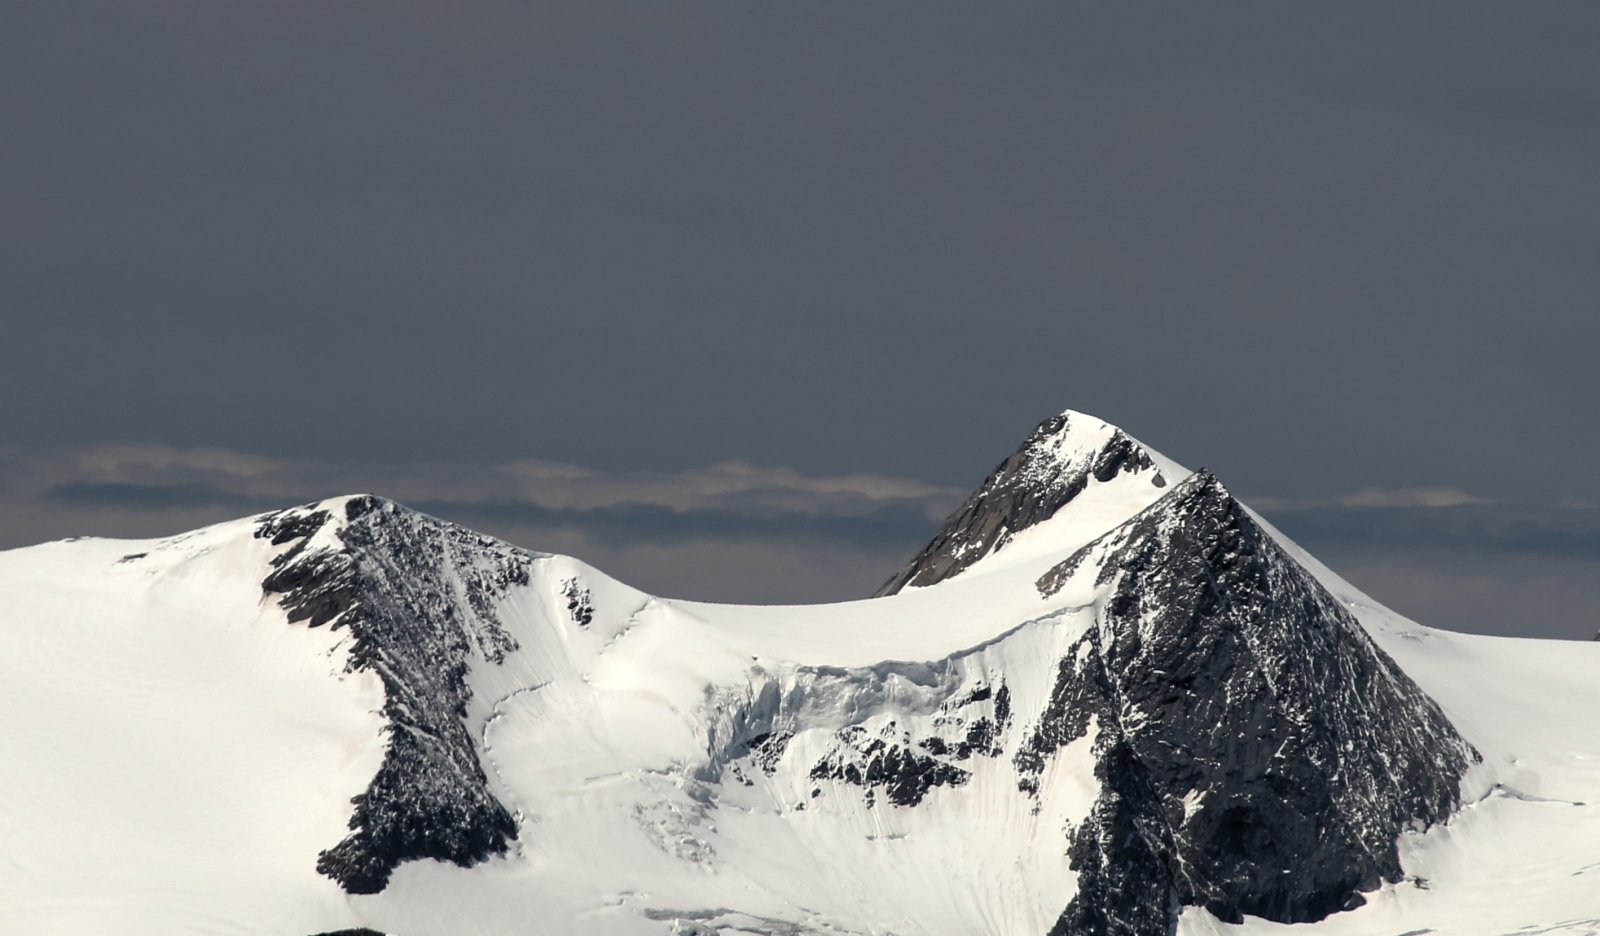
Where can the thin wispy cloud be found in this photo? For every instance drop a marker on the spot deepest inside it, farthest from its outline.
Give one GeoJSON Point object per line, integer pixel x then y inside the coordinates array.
{"type": "Point", "coordinates": [728, 531]}
{"type": "Point", "coordinates": [1479, 527]}
{"type": "Point", "coordinates": [159, 478]}
{"type": "Point", "coordinates": [1452, 560]}
{"type": "Point", "coordinates": [737, 531]}
{"type": "Point", "coordinates": [1410, 497]}
{"type": "Point", "coordinates": [1376, 497]}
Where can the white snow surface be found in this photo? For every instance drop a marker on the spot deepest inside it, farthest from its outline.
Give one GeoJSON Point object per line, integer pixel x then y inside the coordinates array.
{"type": "Point", "coordinates": [171, 750]}
{"type": "Point", "coordinates": [174, 755]}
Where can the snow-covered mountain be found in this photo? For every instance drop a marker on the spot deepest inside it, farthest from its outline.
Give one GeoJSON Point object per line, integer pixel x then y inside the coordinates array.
{"type": "Point", "coordinates": [1107, 698]}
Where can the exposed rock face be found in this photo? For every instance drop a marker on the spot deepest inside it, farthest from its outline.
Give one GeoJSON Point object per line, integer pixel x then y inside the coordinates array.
{"type": "Point", "coordinates": [1257, 753]}
{"type": "Point", "coordinates": [904, 767]}
{"type": "Point", "coordinates": [908, 728]}
{"type": "Point", "coordinates": [418, 596]}
{"type": "Point", "coordinates": [878, 762]}
{"type": "Point", "coordinates": [1054, 465]}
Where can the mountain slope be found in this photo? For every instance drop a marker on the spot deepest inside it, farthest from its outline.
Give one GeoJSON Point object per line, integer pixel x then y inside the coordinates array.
{"type": "Point", "coordinates": [418, 598]}
{"type": "Point", "coordinates": [1069, 459]}
{"type": "Point", "coordinates": [1249, 747]}
{"type": "Point", "coordinates": [1095, 704]}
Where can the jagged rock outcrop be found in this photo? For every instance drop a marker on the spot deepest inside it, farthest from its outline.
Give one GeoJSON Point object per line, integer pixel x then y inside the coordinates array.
{"type": "Point", "coordinates": [906, 729]}
{"type": "Point", "coordinates": [905, 767]}
{"type": "Point", "coordinates": [418, 596]}
{"type": "Point", "coordinates": [1257, 753]}
{"type": "Point", "coordinates": [1055, 464]}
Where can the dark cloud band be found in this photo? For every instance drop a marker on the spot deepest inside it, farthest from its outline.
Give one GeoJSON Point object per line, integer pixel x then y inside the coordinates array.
{"type": "Point", "coordinates": [1487, 529]}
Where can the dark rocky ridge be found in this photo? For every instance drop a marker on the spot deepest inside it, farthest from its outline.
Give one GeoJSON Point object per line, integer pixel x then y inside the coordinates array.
{"type": "Point", "coordinates": [1257, 753]}
{"type": "Point", "coordinates": [904, 769]}
{"type": "Point", "coordinates": [418, 596]}
{"type": "Point", "coordinates": [1023, 490]}
{"type": "Point", "coordinates": [903, 774]}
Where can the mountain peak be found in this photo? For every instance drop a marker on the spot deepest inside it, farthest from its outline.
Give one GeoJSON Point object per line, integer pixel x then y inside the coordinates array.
{"type": "Point", "coordinates": [1058, 446]}
{"type": "Point", "coordinates": [1233, 691]}
{"type": "Point", "coordinates": [1062, 458]}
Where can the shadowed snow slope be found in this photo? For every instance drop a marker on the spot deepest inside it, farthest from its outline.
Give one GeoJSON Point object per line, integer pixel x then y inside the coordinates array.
{"type": "Point", "coordinates": [1105, 699]}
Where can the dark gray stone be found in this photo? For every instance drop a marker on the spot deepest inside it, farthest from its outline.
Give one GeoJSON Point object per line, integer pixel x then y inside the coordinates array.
{"type": "Point", "coordinates": [903, 771]}
{"type": "Point", "coordinates": [418, 597]}
{"type": "Point", "coordinates": [1220, 668]}
{"type": "Point", "coordinates": [878, 763]}
{"type": "Point", "coordinates": [580, 605]}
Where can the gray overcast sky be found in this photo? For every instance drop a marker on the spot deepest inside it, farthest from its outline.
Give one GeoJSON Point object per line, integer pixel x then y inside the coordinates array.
{"type": "Point", "coordinates": [1322, 251]}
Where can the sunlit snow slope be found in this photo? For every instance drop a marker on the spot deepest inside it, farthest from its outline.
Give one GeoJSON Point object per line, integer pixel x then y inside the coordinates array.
{"type": "Point", "coordinates": [1106, 698]}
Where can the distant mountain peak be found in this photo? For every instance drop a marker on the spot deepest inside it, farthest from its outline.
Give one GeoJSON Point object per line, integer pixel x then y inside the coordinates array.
{"type": "Point", "coordinates": [1061, 458]}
